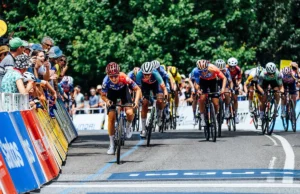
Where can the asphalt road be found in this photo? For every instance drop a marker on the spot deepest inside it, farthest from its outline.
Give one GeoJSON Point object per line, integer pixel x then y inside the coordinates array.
{"type": "Point", "coordinates": [183, 162]}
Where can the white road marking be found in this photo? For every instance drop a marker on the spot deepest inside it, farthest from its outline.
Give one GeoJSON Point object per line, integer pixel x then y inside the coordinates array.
{"type": "Point", "coordinates": [176, 185]}
{"type": "Point", "coordinates": [152, 174]}
{"type": "Point", "coordinates": [237, 172]}
{"type": "Point", "coordinates": [190, 173]}
{"type": "Point", "coordinates": [170, 174]}
{"type": "Point", "coordinates": [289, 157]}
{"type": "Point", "coordinates": [271, 166]}
{"type": "Point", "coordinates": [134, 175]}
{"type": "Point", "coordinates": [211, 173]}
{"type": "Point", "coordinates": [273, 140]}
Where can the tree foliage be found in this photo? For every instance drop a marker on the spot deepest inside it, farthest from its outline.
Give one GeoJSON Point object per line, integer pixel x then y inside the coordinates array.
{"type": "Point", "coordinates": [177, 32]}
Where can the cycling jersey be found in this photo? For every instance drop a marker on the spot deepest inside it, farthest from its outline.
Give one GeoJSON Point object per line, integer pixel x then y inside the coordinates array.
{"type": "Point", "coordinates": [288, 79]}
{"type": "Point", "coordinates": [163, 73]}
{"type": "Point", "coordinates": [211, 73]}
{"type": "Point", "coordinates": [228, 77]}
{"type": "Point", "coordinates": [155, 77]}
{"type": "Point", "coordinates": [276, 79]}
{"type": "Point", "coordinates": [253, 76]}
{"type": "Point", "coordinates": [123, 81]}
{"type": "Point", "coordinates": [131, 75]}
{"type": "Point", "coordinates": [177, 78]}
{"type": "Point", "coordinates": [235, 73]}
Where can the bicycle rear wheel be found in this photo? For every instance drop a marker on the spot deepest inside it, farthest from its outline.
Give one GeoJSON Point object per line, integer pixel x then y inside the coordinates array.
{"type": "Point", "coordinates": [213, 123]}
{"type": "Point", "coordinates": [292, 115]}
{"type": "Point", "coordinates": [272, 118]}
{"type": "Point", "coordinates": [136, 120]}
{"type": "Point", "coordinates": [150, 126]}
{"type": "Point", "coordinates": [285, 121]}
{"type": "Point", "coordinates": [206, 128]}
{"type": "Point", "coordinates": [255, 114]}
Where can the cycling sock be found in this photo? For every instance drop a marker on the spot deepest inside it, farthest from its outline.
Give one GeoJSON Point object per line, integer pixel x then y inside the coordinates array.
{"type": "Point", "coordinates": [111, 140]}
{"type": "Point", "coordinates": [160, 113]}
{"type": "Point", "coordinates": [194, 112]}
{"type": "Point", "coordinates": [202, 116]}
{"type": "Point", "coordinates": [276, 106]}
{"type": "Point", "coordinates": [143, 124]}
{"type": "Point", "coordinates": [227, 107]}
{"type": "Point", "coordinates": [282, 108]}
{"type": "Point", "coordinates": [250, 103]}
{"type": "Point", "coordinates": [128, 125]}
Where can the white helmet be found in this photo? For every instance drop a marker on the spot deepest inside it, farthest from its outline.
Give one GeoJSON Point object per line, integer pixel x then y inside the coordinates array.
{"type": "Point", "coordinates": [271, 67]}
{"type": "Point", "coordinates": [68, 79]}
{"type": "Point", "coordinates": [156, 64]}
{"type": "Point", "coordinates": [232, 61]}
{"type": "Point", "coordinates": [28, 76]}
{"type": "Point", "coordinates": [182, 76]}
{"type": "Point", "coordinates": [247, 72]}
{"type": "Point", "coordinates": [220, 63]}
{"type": "Point", "coordinates": [147, 67]}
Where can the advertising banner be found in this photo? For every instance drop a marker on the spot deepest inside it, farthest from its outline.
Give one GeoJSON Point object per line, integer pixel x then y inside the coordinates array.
{"type": "Point", "coordinates": [6, 183]}
{"type": "Point", "coordinates": [15, 157]}
{"type": "Point", "coordinates": [41, 144]}
{"type": "Point", "coordinates": [19, 126]}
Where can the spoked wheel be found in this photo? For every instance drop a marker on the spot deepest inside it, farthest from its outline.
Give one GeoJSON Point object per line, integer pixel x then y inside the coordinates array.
{"type": "Point", "coordinates": [119, 141]}
{"type": "Point", "coordinates": [255, 114]}
{"type": "Point", "coordinates": [292, 115]}
{"type": "Point", "coordinates": [150, 126]}
{"type": "Point", "coordinates": [136, 120]}
{"type": "Point", "coordinates": [272, 118]}
{"type": "Point", "coordinates": [163, 122]}
{"type": "Point", "coordinates": [213, 123]}
{"type": "Point", "coordinates": [285, 120]}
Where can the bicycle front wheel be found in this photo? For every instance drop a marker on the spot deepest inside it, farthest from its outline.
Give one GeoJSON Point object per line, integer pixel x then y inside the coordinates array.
{"type": "Point", "coordinates": [119, 140]}
{"type": "Point", "coordinates": [220, 116]}
{"type": "Point", "coordinates": [150, 126]}
{"type": "Point", "coordinates": [213, 123]}
{"type": "Point", "coordinates": [271, 118]}
{"type": "Point", "coordinates": [292, 115]}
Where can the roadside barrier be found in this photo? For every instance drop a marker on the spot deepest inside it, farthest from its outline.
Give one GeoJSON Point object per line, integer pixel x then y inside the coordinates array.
{"type": "Point", "coordinates": [33, 145]}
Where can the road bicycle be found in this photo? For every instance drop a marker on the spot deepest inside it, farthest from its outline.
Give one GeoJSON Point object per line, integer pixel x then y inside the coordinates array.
{"type": "Point", "coordinates": [210, 129]}
{"type": "Point", "coordinates": [230, 121]}
{"type": "Point", "coordinates": [120, 127]}
{"type": "Point", "coordinates": [291, 112]}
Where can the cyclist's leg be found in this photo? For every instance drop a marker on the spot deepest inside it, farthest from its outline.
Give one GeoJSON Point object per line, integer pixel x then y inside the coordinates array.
{"type": "Point", "coordinates": [111, 95]}
{"type": "Point", "coordinates": [283, 101]}
{"type": "Point", "coordinates": [176, 101]}
{"type": "Point", "coordinates": [125, 99]}
{"type": "Point", "coordinates": [262, 99]}
{"type": "Point", "coordinates": [251, 92]}
{"type": "Point", "coordinates": [276, 87]}
{"type": "Point", "coordinates": [160, 104]}
{"type": "Point", "coordinates": [213, 88]}
{"type": "Point", "coordinates": [235, 101]}
{"type": "Point", "coordinates": [204, 86]}
{"type": "Point", "coordinates": [145, 103]}
{"type": "Point", "coordinates": [168, 100]}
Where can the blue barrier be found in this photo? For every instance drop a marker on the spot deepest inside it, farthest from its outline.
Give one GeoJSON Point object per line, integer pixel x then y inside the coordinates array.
{"type": "Point", "coordinates": [278, 123]}
{"type": "Point", "coordinates": [14, 156]}
{"type": "Point", "coordinates": [19, 125]}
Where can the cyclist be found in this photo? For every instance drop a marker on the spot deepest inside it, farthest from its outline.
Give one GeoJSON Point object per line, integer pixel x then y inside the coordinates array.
{"type": "Point", "coordinates": [132, 74]}
{"type": "Point", "coordinates": [270, 76]}
{"type": "Point", "coordinates": [177, 78]}
{"type": "Point", "coordinates": [195, 97]}
{"type": "Point", "coordinates": [236, 76]}
{"type": "Point", "coordinates": [220, 63]}
{"type": "Point", "coordinates": [164, 74]}
{"type": "Point", "coordinates": [206, 79]}
{"type": "Point", "coordinates": [150, 80]}
{"type": "Point", "coordinates": [250, 84]}
{"type": "Point", "coordinates": [115, 86]}
{"type": "Point", "coordinates": [289, 79]}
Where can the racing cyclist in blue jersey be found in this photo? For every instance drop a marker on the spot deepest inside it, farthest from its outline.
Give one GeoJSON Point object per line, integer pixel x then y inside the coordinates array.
{"type": "Point", "coordinates": [221, 64]}
{"type": "Point", "coordinates": [150, 80]}
{"type": "Point", "coordinates": [132, 74]}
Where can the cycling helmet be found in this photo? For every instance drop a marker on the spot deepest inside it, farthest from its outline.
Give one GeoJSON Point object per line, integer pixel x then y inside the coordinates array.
{"type": "Point", "coordinates": [136, 70]}
{"type": "Point", "coordinates": [202, 64]}
{"type": "Point", "coordinates": [286, 71]}
{"type": "Point", "coordinates": [271, 67]}
{"type": "Point", "coordinates": [294, 64]}
{"type": "Point", "coordinates": [112, 69]}
{"type": "Point", "coordinates": [28, 77]}
{"type": "Point", "coordinates": [182, 76]}
{"type": "Point", "coordinates": [156, 64]}
{"type": "Point", "coordinates": [220, 63]}
{"type": "Point", "coordinates": [164, 67]}
{"type": "Point", "coordinates": [67, 79]}
{"type": "Point", "coordinates": [147, 67]}
{"type": "Point", "coordinates": [232, 61]}
{"type": "Point", "coordinates": [173, 71]}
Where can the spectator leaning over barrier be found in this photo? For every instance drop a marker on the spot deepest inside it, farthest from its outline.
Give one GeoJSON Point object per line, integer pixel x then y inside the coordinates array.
{"type": "Point", "coordinates": [79, 101]}
{"type": "Point", "coordinates": [47, 43]}
{"type": "Point", "coordinates": [41, 68]}
{"type": "Point", "coordinates": [101, 102]}
{"type": "Point", "coordinates": [61, 67]}
{"type": "Point", "coordinates": [3, 52]}
{"type": "Point", "coordinates": [13, 80]}
{"type": "Point", "coordinates": [16, 48]}
{"type": "Point", "coordinates": [54, 54]}
{"type": "Point", "coordinates": [93, 100]}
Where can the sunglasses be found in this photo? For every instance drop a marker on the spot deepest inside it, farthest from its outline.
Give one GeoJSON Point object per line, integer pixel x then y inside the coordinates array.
{"type": "Point", "coordinates": [5, 53]}
{"type": "Point", "coordinates": [63, 60]}
{"type": "Point", "coordinates": [113, 76]}
{"type": "Point", "coordinates": [147, 74]}
{"type": "Point", "coordinates": [50, 45]}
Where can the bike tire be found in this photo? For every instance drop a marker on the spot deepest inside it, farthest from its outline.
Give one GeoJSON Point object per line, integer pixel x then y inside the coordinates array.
{"type": "Point", "coordinates": [292, 116]}
{"type": "Point", "coordinates": [272, 118]}
{"type": "Point", "coordinates": [206, 128]}
{"type": "Point", "coordinates": [213, 123]}
{"type": "Point", "coordinates": [150, 126]}
{"type": "Point", "coordinates": [255, 114]}
{"type": "Point", "coordinates": [119, 141]}
{"type": "Point", "coordinates": [220, 117]}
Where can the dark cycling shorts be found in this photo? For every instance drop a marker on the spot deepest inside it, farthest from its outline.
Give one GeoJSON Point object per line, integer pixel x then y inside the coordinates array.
{"type": "Point", "coordinates": [253, 83]}
{"type": "Point", "coordinates": [236, 92]}
{"type": "Point", "coordinates": [209, 84]}
{"type": "Point", "coordinates": [220, 84]}
{"type": "Point", "coordinates": [114, 95]}
{"type": "Point", "coordinates": [146, 88]}
{"type": "Point", "coordinates": [292, 87]}
{"type": "Point", "coordinates": [272, 83]}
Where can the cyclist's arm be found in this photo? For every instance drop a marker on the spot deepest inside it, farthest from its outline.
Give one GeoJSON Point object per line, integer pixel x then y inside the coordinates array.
{"type": "Point", "coordinates": [138, 78]}
{"type": "Point", "coordinates": [192, 86]}
{"type": "Point", "coordinates": [138, 94]}
{"type": "Point", "coordinates": [160, 82]}
{"type": "Point", "coordinates": [260, 83]}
